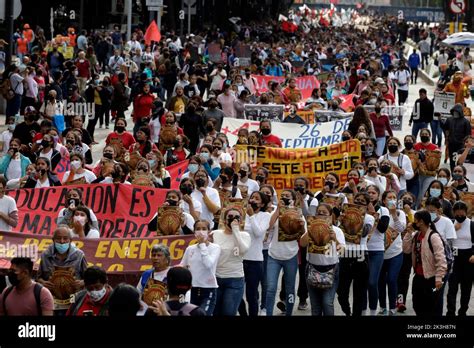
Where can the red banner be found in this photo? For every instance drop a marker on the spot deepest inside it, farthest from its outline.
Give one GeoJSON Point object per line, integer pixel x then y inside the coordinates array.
{"type": "Point", "coordinates": [305, 83]}
{"type": "Point", "coordinates": [115, 255]}
{"type": "Point", "coordinates": [123, 211]}
{"type": "Point", "coordinates": [176, 171]}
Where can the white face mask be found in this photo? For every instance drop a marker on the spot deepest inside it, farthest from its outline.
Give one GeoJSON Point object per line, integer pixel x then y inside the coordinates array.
{"type": "Point", "coordinates": [80, 219]}
{"type": "Point", "coordinates": [76, 164]}
{"type": "Point", "coordinates": [97, 295]}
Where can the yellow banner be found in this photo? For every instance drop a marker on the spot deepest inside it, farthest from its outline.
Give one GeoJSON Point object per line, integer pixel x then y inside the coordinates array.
{"type": "Point", "coordinates": [285, 165]}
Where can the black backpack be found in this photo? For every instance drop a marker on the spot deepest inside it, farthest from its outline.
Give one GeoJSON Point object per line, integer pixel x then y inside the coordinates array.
{"type": "Point", "coordinates": [37, 291]}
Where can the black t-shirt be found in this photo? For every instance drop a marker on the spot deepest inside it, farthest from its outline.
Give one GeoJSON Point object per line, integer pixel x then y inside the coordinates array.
{"type": "Point", "coordinates": [23, 132]}
{"type": "Point", "coordinates": [470, 156]}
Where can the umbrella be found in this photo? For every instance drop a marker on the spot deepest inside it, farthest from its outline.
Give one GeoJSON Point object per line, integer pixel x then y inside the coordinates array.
{"type": "Point", "coordinates": [460, 39]}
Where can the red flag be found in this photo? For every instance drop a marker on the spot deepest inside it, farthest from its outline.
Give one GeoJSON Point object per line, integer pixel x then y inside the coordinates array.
{"type": "Point", "coordinates": [289, 27]}
{"type": "Point", "coordinates": [152, 33]}
{"type": "Point", "coordinates": [347, 104]}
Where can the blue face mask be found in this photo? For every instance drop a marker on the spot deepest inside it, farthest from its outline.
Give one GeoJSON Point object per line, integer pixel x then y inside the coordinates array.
{"type": "Point", "coordinates": [152, 163]}
{"type": "Point", "coordinates": [433, 216]}
{"type": "Point", "coordinates": [61, 248]}
{"type": "Point", "coordinates": [205, 155]}
{"type": "Point", "coordinates": [444, 181]}
{"type": "Point", "coordinates": [435, 192]}
{"type": "Point", "coordinates": [193, 168]}
{"type": "Point", "coordinates": [361, 172]}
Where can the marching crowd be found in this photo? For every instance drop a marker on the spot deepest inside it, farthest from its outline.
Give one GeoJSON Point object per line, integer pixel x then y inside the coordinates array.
{"type": "Point", "coordinates": [400, 210]}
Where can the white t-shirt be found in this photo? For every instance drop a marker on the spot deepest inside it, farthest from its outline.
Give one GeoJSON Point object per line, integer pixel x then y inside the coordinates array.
{"type": "Point", "coordinates": [7, 206]}
{"type": "Point", "coordinates": [93, 234]}
{"type": "Point", "coordinates": [333, 257]}
{"type": "Point", "coordinates": [5, 138]}
{"type": "Point", "coordinates": [403, 77]}
{"type": "Point", "coordinates": [185, 206]}
{"type": "Point", "coordinates": [201, 260]}
{"type": "Point", "coordinates": [376, 242]}
{"type": "Point", "coordinates": [230, 264]}
{"type": "Point", "coordinates": [40, 184]}
{"type": "Point", "coordinates": [445, 227]}
{"type": "Point", "coordinates": [223, 158]}
{"type": "Point", "coordinates": [252, 186]}
{"type": "Point", "coordinates": [463, 240]}
{"type": "Point", "coordinates": [396, 247]}
{"type": "Point", "coordinates": [214, 197]}
{"type": "Point", "coordinates": [283, 250]}
{"type": "Point", "coordinates": [88, 175]}
{"type": "Point", "coordinates": [256, 226]}
{"type": "Point", "coordinates": [14, 169]}
{"type": "Point", "coordinates": [404, 162]}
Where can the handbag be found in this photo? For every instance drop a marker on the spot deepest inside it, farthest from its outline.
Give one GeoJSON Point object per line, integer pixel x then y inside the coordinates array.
{"type": "Point", "coordinates": [318, 279]}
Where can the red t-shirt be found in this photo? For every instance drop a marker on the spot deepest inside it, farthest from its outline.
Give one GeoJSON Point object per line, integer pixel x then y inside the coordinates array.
{"type": "Point", "coordinates": [418, 262]}
{"type": "Point", "coordinates": [381, 124]}
{"type": "Point", "coordinates": [421, 147]}
{"type": "Point", "coordinates": [24, 303]}
{"type": "Point", "coordinates": [142, 106]}
{"type": "Point", "coordinates": [181, 155]}
{"type": "Point", "coordinates": [88, 305]}
{"type": "Point", "coordinates": [127, 139]}
{"type": "Point", "coordinates": [83, 69]}
{"type": "Point", "coordinates": [272, 139]}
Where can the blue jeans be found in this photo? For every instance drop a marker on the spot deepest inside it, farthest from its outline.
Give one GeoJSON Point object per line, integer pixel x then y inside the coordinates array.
{"type": "Point", "coordinates": [13, 106]}
{"type": "Point", "coordinates": [204, 298]}
{"type": "Point", "coordinates": [389, 276]}
{"type": "Point", "coordinates": [263, 282]}
{"type": "Point", "coordinates": [322, 301]}
{"type": "Point", "coordinates": [437, 132]}
{"type": "Point", "coordinates": [418, 126]}
{"type": "Point", "coordinates": [375, 266]}
{"type": "Point", "coordinates": [380, 146]}
{"type": "Point", "coordinates": [229, 295]}
{"type": "Point", "coordinates": [253, 271]}
{"type": "Point", "coordinates": [290, 267]}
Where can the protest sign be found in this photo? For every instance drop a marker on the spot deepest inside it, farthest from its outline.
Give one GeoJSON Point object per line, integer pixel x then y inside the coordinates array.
{"type": "Point", "coordinates": [244, 53]}
{"type": "Point", "coordinates": [215, 53]}
{"type": "Point", "coordinates": [115, 255]}
{"type": "Point", "coordinates": [444, 102]}
{"type": "Point", "coordinates": [292, 135]}
{"type": "Point", "coordinates": [285, 165]}
{"type": "Point", "coordinates": [176, 171]}
{"type": "Point", "coordinates": [257, 112]}
{"type": "Point", "coordinates": [395, 114]}
{"type": "Point", "coordinates": [122, 210]}
{"type": "Point", "coordinates": [305, 84]}
{"type": "Point", "coordinates": [306, 115]}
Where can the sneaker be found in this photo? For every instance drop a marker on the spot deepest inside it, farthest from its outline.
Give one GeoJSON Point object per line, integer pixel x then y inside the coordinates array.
{"type": "Point", "coordinates": [263, 312]}
{"type": "Point", "coordinates": [392, 312]}
{"type": "Point", "coordinates": [281, 306]}
{"type": "Point", "coordinates": [106, 127]}
{"type": "Point", "coordinates": [383, 311]}
{"type": "Point", "coordinates": [401, 307]}
{"type": "Point", "coordinates": [100, 126]}
{"type": "Point", "coordinates": [303, 306]}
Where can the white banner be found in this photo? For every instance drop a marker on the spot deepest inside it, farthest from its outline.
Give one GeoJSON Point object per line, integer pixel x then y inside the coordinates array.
{"type": "Point", "coordinates": [444, 102]}
{"type": "Point", "coordinates": [294, 136]}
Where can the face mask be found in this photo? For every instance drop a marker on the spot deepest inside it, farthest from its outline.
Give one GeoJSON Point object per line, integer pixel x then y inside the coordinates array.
{"type": "Point", "coordinates": [13, 278]}
{"type": "Point", "coordinates": [393, 148]}
{"type": "Point", "coordinates": [56, 139]}
{"type": "Point", "coordinates": [200, 182]}
{"type": "Point", "coordinates": [300, 189]}
{"type": "Point", "coordinates": [42, 172]}
{"type": "Point", "coordinates": [116, 174]}
{"type": "Point", "coordinates": [61, 247]}
{"type": "Point", "coordinates": [415, 226]}
{"type": "Point", "coordinates": [408, 146]}
{"type": "Point", "coordinates": [329, 184]}
{"type": "Point", "coordinates": [254, 206]}
{"type": "Point", "coordinates": [410, 203]}
{"type": "Point", "coordinates": [243, 173]}
{"type": "Point", "coordinates": [435, 192]}
{"type": "Point", "coordinates": [286, 201]}
{"type": "Point", "coordinates": [224, 179]}
{"type": "Point", "coordinates": [97, 82]}
{"type": "Point", "coordinates": [152, 163]}
{"type": "Point", "coordinates": [443, 181]}
{"type": "Point", "coordinates": [356, 180]}
{"type": "Point", "coordinates": [425, 139]}
{"type": "Point", "coordinates": [74, 201]}
{"type": "Point", "coordinates": [229, 220]}
{"type": "Point", "coordinates": [266, 131]}
{"type": "Point", "coordinates": [260, 178]}
{"type": "Point", "coordinates": [457, 177]}
{"type": "Point", "coordinates": [209, 128]}
{"type": "Point", "coordinates": [377, 110]}
{"type": "Point", "coordinates": [434, 216]}
{"type": "Point", "coordinates": [108, 155]}
{"type": "Point", "coordinates": [369, 150]}
{"type": "Point", "coordinates": [460, 219]}
{"type": "Point", "coordinates": [45, 143]}
{"type": "Point", "coordinates": [186, 190]}
{"type": "Point", "coordinates": [202, 234]}
{"type": "Point", "coordinates": [193, 168]}
{"type": "Point", "coordinates": [361, 172]}
{"type": "Point", "coordinates": [80, 219]}
{"type": "Point", "coordinates": [385, 169]}
{"type": "Point", "coordinates": [391, 204]}
{"type": "Point", "coordinates": [205, 155]}
{"type": "Point", "coordinates": [172, 202]}
{"type": "Point", "coordinates": [362, 148]}
{"type": "Point", "coordinates": [119, 129]}
{"type": "Point", "coordinates": [11, 127]}
{"type": "Point", "coordinates": [75, 165]}
{"type": "Point", "coordinates": [97, 295]}
{"type": "Point", "coordinates": [345, 138]}
{"type": "Point", "coordinates": [217, 148]}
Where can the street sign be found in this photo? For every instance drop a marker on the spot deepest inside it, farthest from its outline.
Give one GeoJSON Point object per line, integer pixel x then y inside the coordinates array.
{"type": "Point", "coordinates": [16, 9]}
{"type": "Point", "coordinates": [457, 6]}
{"type": "Point", "coordinates": [154, 3]}
{"type": "Point", "coordinates": [190, 3]}
{"type": "Point", "coordinates": [193, 10]}
{"type": "Point", "coordinates": [154, 8]}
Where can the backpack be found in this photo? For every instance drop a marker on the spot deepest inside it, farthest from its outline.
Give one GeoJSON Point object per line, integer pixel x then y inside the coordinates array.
{"type": "Point", "coordinates": [448, 252]}
{"type": "Point", "coordinates": [37, 291]}
{"type": "Point", "coordinates": [6, 89]}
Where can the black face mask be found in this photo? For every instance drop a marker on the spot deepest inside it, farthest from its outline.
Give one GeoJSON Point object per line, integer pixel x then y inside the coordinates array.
{"type": "Point", "coordinates": [377, 110]}
{"type": "Point", "coordinates": [116, 174]}
{"type": "Point", "coordinates": [260, 178]}
{"type": "Point", "coordinates": [119, 129]}
{"type": "Point", "coordinates": [70, 142]}
{"type": "Point", "coordinates": [392, 148]}
{"type": "Point", "coordinates": [345, 138]}
{"type": "Point", "coordinates": [172, 203]}
{"type": "Point", "coordinates": [209, 128]}
{"type": "Point", "coordinates": [229, 220]}
{"type": "Point", "coordinates": [45, 143]}
{"type": "Point", "coordinates": [329, 184]}
{"type": "Point", "coordinates": [425, 139]}
{"type": "Point", "coordinates": [408, 146]}
{"type": "Point", "coordinates": [300, 189]}
{"type": "Point", "coordinates": [76, 201]}
{"type": "Point", "coordinates": [108, 155]}
{"type": "Point", "coordinates": [243, 173]}
{"type": "Point", "coordinates": [410, 203]}
{"type": "Point", "coordinates": [13, 278]}
{"type": "Point", "coordinates": [460, 219]}
{"type": "Point", "coordinates": [362, 148]}
{"type": "Point", "coordinates": [266, 131]}
{"type": "Point", "coordinates": [286, 201]}
{"type": "Point", "coordinates": [254, 206]}
{"type": "Point", "coordinates": [200, 182]}
{"type": "Point", "coordinates": [43, 171]}
{"type": "Point", "coordinates": [385, 169]}
{"type": "Point", "coordinates": [186, 190]}
{"type": "Point", "coordinates": [415, 226]}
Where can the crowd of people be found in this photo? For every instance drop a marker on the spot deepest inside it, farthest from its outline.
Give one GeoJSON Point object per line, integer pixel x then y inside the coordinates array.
{"type": "Point", "coordinates": [400, 210]}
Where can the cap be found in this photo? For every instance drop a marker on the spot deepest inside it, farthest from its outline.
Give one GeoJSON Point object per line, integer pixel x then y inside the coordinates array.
{"type": "Point", "coordinates": [379, 80]}
{"type": "Point", "coordinates": [30, 110]}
